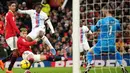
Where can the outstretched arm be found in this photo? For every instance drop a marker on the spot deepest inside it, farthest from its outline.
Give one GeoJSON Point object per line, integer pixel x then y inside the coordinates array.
{"type": "Point", "coordinates": [25, 11]}
{"type": "Point", "coordinates": [50, 25]}
{"type": "Point", "coordinates": [26, 43]}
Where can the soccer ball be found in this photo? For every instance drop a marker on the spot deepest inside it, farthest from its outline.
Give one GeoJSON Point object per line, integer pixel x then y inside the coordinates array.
{"type": "Point", "coordinates": [25, 64]}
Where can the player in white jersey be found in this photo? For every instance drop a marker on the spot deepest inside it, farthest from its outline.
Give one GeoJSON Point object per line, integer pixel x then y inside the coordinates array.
{"type": "Point", "coordinates": [38, 18]}
{"type": "Point", "coordinates": [83, 39]}
{"type": "Point", "coordinates": [84, 45]}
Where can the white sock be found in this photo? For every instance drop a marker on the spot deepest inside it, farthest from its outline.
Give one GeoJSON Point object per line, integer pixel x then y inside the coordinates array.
{"type": "Point", "coordinates": [45, 39]}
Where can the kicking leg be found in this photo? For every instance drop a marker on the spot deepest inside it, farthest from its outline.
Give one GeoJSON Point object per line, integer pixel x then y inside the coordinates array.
{"type": "Point", "coordinates": [30, 58]}
{"type": "Point", "coordinates": [45, 39]}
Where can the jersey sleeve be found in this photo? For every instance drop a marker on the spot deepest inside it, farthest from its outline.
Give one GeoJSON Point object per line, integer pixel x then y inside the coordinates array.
{"type": "Point", "coordinates": [25, 11]}
{"type": "Point", "coordinates": [86, 29]}
{"type": "Point", "coordinates": [11, 20]}
{"type": "Point", "coordinates": [26, 43]}
{"type": "Point", "coordinates": [96, 27]}
{"type": "Point", "coordinates": [118, 27]}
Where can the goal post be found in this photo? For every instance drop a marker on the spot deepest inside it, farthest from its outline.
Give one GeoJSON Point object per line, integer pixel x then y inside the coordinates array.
{"type": "Point", "coordinates": [76, 35]}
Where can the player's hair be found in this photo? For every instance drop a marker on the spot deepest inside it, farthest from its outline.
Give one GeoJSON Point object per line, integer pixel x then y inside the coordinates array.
{"type": "Point", "coordinates": [23, 29]}
{"type": "Point", "coordinates": [37, 4]}
{"type": "Point", "coordinates": [110, 7]}
{"type": "Point", "coordinates": [11, 2]}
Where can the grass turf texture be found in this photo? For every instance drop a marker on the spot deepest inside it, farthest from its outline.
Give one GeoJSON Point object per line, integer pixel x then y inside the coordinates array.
{"type": "Point", "coordinates": [69, 70]}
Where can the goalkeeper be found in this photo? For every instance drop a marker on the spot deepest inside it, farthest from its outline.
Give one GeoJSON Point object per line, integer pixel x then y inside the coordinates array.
{"type": "Point", "coordinates": [106, 40]}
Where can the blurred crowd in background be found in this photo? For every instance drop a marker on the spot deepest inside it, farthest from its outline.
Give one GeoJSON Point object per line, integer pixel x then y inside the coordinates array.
{"type": "Point", "coordinates": [61, 18]}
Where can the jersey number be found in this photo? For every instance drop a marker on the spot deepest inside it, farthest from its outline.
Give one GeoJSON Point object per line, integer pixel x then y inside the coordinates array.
{"type": "Point", "coordinates": [110, 29]}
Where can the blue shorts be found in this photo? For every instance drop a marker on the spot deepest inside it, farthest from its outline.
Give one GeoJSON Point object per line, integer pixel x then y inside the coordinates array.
{"type": "Point", "coordinates": [104, 47]}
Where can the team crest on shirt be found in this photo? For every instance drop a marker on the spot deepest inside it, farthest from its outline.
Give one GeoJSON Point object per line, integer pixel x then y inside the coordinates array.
{"type": "Point", "coordinates": [112, 22]}
{"type": "Point", "coordinates": [24, 40]}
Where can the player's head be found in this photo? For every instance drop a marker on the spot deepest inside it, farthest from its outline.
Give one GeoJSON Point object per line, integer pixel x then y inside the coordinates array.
{"type": "Point", "coordinates": [12, 6]}
{"type": "Point", "coordinates": [23, 32]}
{"type": "Point", "coordinates": [108, 9]}
{"type": "Point", "coordinates": [38, 7]}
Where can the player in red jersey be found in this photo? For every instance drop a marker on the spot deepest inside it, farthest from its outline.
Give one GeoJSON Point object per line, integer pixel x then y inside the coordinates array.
{"type": "Point", "coordinates": [26, 52]}
{"type": "Point", "coordinates": [1, 26]}
{"type": "Point", "coordinates": [11, 31]}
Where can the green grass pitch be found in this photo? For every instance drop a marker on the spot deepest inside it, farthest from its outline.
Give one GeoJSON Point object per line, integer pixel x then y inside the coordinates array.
{"type": "Point", "coordinates": [69, 70]}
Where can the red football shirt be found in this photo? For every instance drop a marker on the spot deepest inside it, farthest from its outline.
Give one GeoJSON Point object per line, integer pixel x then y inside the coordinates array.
{"type": "Point", "coordinates": [10, 25]}
{"type": "Point", "coordinates": [24, 45]}
{"type": "Point", "coordinates": [1, 27]}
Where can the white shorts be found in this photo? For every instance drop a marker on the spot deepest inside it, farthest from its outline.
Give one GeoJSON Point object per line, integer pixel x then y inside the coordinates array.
{"type": "Point", "coordinates": [26, 56]}
{"type": "Point", "coordinates": [84, 46]}
{"type": "Point", "coordinates": [12, 42]}
{"type": "Point", "coordinates": [35, 32]}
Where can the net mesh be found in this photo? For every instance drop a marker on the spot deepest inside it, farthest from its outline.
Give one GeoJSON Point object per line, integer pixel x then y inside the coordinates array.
{"type": "Point", "coordinates": [90, 13]}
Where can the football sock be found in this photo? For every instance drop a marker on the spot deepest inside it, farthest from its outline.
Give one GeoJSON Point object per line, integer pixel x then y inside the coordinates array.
{"type": "Point", "coordinates": [31, 60]}
{"type": "Point", "coordinates": [89, 57]}
{"type": "Point", "coordinates": [54, 58]}
{"type": "Point", "coordinates": [45, 39]}
{"type": "Point", "coordinates": [88, 68]}
{"type": "Point", "coordinates": [7, 58]}
{"type": "Point", "coordinates": [58, 58]}
{"type": "Point", "coordinates": [49, 58]}
{"type": "Point", "coordinates": [119, 58]}
{"type": "Point", "coordinates": [13, 59]}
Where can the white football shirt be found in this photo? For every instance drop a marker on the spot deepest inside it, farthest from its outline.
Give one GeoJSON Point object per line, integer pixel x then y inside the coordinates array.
{"type": "Point", "coordinates": [33, 14]}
